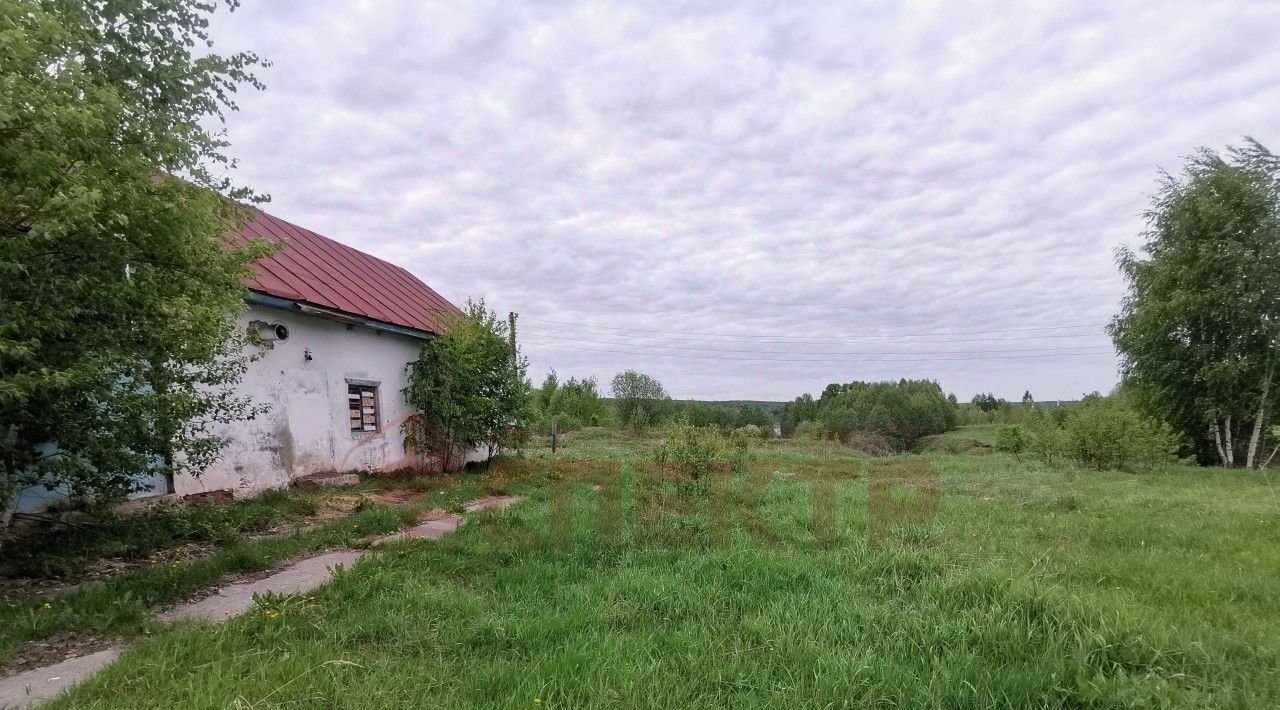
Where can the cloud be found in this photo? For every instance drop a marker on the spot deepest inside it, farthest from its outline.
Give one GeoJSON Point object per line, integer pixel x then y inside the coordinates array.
{"type": "Point", "coordinates": [687, 189]}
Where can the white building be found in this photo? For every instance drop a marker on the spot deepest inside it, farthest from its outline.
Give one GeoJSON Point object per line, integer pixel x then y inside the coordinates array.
{"type": "Point", "coordinates": [342, 325]}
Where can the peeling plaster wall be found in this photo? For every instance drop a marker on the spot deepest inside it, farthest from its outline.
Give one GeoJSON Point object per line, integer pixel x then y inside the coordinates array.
{"type": "Point", "coordinates": [307, 429]}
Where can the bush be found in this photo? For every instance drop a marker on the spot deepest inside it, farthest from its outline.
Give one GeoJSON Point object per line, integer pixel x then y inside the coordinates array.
{"type": "Point", "coordinates": [808, 431]}
{"type": "Point", "coordinates": [754, 431]}
{"type": "Point", "coordinates": [901, 412]}
{"type": "Point", "coordinates": [1011, 439]}
{"type": "Point", "coordinates": [1045, 438]}
{"type": "Point", "coordinates": [690, 451]}
{"type": "Point", "coordinates": [1104, 435]}
{"type": "Point", "coordinates": [572, 405]}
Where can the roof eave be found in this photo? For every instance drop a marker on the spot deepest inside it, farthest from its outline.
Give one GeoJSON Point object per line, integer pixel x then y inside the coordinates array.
{"type": "Point", "coordinates": [262, 298]}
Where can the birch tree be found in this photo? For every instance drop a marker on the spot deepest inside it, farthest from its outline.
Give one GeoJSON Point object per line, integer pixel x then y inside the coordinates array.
{"type": "Point", "coordinates": [1199, 329]}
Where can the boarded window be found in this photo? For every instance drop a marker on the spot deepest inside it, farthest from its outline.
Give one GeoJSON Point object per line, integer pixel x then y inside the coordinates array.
{"type": "Point", "coordinates": [362, 404]}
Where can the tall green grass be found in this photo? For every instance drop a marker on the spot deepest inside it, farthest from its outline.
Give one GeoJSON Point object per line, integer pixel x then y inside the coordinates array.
{"type": "Point", "coordinates": [1034, 587]}
{"type": "Point", "coordinates": [121, 606]}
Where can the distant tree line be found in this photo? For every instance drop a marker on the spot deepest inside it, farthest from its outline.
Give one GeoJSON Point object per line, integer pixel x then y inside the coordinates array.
{"type": "Point", "coordinates": [898, 413]}
{"type": "Point", "coordinates": [637, 402]}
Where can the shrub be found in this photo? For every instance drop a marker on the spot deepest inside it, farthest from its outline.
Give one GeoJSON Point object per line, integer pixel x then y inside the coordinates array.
{"type": "Point", "coordinates": [752, 431]}
{"type": "Point", "coordinates": [1045, 438]}
{"type": "Point", "coordinates": [573, 404]}
{"type": "Point", "coordinates": [690, 451]}
{"type": "Point", "coordinates": [808, 431]}
{"type": "Point", "coordinates": [902, 412]}
{"type": "Point", "coordinates": [1011, 439]}
{"type": "Point", "coordinates": [1103, 435]}
{"type": "Point", "coordinates": [870, 442]}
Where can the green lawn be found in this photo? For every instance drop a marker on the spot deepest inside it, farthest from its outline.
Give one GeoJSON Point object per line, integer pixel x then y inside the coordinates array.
{"type": "Point", "coordinates": [1033, 587]}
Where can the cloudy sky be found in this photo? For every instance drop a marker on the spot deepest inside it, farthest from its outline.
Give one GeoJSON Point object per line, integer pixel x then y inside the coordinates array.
{"type": "Point", "coordinates": [753, 202]}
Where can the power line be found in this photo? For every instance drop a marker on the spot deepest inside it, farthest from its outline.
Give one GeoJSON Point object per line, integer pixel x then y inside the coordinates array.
{"type": "Point", "coordinates": [792, 352]}
{"type": "Point", "coordinates": [783, 340]}
{"type": "Point", "coordinates": [752, 336]}
{"type": "Point", "coordinates": [765, 340]}
{"type": "Point", "coordinates": [1108, 353]}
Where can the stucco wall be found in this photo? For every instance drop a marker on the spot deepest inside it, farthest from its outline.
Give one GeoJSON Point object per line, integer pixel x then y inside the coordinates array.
{"type": "Point", "coordinates": [307, 429]}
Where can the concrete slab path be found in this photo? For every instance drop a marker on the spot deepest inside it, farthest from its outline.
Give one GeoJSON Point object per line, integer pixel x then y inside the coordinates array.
{"type": "Point", "coordinates": [35, 686]}
{"type": "Point", "coordinates": [235, 599]}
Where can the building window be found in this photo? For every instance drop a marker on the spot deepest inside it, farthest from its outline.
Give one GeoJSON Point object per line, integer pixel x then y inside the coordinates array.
{"type": "Point", "coordinates": [362, 403]}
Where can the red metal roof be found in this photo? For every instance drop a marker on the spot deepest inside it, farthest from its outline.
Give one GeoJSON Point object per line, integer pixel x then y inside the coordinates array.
{"type": "Point", "coordinates": [315, 269]}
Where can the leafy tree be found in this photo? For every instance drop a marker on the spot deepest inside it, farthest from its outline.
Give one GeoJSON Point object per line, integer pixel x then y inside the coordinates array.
{"type": "Point", "coordinates": [723, 416]}
{"type": "Point", "coordinates": [986, 402]}
{"type": "Point", "coordinates": [898, 412]}
{"type": "Point", "coordinates": [803, 409]}
{"type": "Point", "coordinates": [118, 349]}
{"type": "Point", "coordinates": [640, 400]}
{"type": "Point", "coordinates": [467, 388]}
{"type": "Point", "coordinates": [546, 394]}
{"type": "Point", "coordinates": [573, 404]}
{"type": "Point", "coordinates": [1011, 439]}
{"type": "Point", "coordinates": [1199, 330]}
{"type": "Point", "coordinates": [1027, 399]}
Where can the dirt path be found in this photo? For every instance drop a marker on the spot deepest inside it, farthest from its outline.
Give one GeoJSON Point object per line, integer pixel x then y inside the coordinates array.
{"type": "Point", "coordinates": [35, 686]}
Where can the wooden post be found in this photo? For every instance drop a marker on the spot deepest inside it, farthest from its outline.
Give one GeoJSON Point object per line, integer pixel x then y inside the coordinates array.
{"type": "Point", "coordinates": [554, 436]}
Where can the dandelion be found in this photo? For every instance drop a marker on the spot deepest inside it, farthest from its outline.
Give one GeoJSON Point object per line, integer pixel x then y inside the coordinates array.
{"type": "Point", "coordinates": [47, 605]}
{"type": "Point", "coordinates": [537, 701]}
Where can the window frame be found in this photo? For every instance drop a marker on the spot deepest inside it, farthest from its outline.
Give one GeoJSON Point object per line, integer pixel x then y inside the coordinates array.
{"type": "Point", "coordinates": [360, 387]}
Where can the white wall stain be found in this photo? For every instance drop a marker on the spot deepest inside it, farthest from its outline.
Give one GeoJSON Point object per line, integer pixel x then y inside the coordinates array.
{"type": "Point", "coordinates": [307, 429]}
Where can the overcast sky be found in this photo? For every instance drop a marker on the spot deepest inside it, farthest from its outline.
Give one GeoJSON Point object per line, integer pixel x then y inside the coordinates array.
{"type": "Point", "coordinates": [754, 202]}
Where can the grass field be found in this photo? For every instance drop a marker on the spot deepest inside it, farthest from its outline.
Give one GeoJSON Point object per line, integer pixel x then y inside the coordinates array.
{"type": "Point", "coordinates": [233, 538]}
{"type": "Point", "coordinates": [1033, 587]}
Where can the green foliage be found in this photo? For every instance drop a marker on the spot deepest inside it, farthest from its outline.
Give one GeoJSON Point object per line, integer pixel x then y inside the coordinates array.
{"type": "Point", "coordinates": [1011, 439]}
{"type": "Point", "coordinates": [808, 431]}
{"type": "Point", "coordinates": [987, 402]}
{"type": "Point", "coordinates": [136, 536]}
{"type": "Point", "coordinates": [467, 388]}
{"type": "Point", "coordinates": [794, 414]}
{"type": "Point", "coordinates": [753, 432]}
{"type": "Point", "coordinates": [640, 400]}
{"type": "Point", "coordinates": [1197, 331]}
{"type": "Point", "coordinates": [723, 416]}
{"type": "Point", "coordinates": [1099, 433]}
{"type": "Point", "coordinates": [1103, 434]}
{"type": "Point", "coordinates": [1036, 588]}
{"type": "Point", "coordinates": [900, 412]}
{"type": "Point", "coordinates": [572, 404]}
{"type": "Point", "coordinates": [690, 452]}
{"type": "Point", "coordinates": [1045, 438]}
{"type": "Point", "coordinates": [118, 347]}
